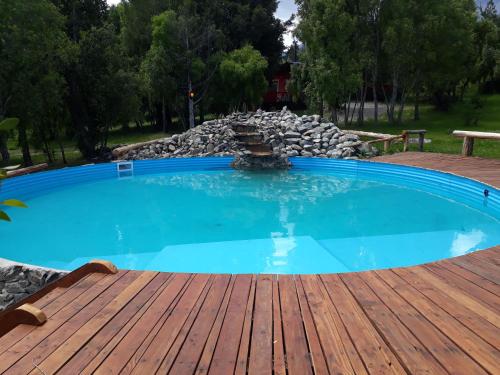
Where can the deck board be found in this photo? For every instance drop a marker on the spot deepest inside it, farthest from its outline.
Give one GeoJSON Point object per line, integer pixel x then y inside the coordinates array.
{"type": "Point", "coordinates": [437, 318]}
{"type": "Point", "coordinates": [482, 169]}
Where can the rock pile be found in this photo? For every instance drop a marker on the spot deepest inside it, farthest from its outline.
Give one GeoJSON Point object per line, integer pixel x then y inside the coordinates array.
{"type": "Point", "coordinates": [18, 281]}
{"type": "Point", "coordinates": [287, 133]}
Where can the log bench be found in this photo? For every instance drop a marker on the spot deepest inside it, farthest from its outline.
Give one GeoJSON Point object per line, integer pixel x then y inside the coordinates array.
{"type": "Point", "coordinates": [421, 139]}
{"type": "Point", "coordinates": [468, 136]}
{"type": "Point", "coordinates": [389, 138]}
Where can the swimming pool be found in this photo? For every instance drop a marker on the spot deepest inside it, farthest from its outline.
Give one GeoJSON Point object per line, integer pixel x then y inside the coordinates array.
{"type": "Point", "coordinates": [198, 215]}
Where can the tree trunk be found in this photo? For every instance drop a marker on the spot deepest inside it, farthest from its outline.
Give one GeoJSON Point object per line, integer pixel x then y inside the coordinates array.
{"type": "Point", "coordinates": [401, 108]}
{"type": "Point", "coordinates": [190, 104]}
{"type": "Point", "coordinates": [163, 115]}
{"type": "Point", "coordinates": [375, 99]}
{"type": "Point", "coordinates": [63, 153]}
{"type": "Point", "coordinates": [416, 111]}
{"type": "Point", "coordinates": [23, 141]}
{"type": "Point", "coordinates": [4, 150]}
{"type": "Point", "coordinates": [361, 110]}
{"type": "Point", "coordinates": [79, 118]}
{"type": "Point", "coordinates": [394, 95]}
{"type": "Point", "coordinates": [347, 110]}
{"type": "Point", "coordinates": [202, 112]}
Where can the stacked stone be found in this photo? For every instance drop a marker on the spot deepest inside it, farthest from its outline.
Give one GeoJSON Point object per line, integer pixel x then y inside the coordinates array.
{"type": "Point", "coordinates": [287, 133]}
{"type": "Point", "coordinates": [18, 282]}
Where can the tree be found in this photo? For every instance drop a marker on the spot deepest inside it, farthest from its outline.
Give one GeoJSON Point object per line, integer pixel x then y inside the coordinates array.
{"type": "Point", "coordinates": [328, 29]}
{"type": "Point", "coordinates": [6, 125]}
{"type": "Point", "coordinates": [107, 90]}
{"type": "Point", "coordinates": [242, 74]}
{"type": "Point", "coordinates": [33, 51]}
{"type": "Point", "coordinates": [185, 53]}
{"type": "Point", "coordinates": [158, 68]}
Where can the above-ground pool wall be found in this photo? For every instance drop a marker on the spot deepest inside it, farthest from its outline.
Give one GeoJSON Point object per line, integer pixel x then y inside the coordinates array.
{"type": "Point", "coordinates": [465, 190]}
{"type": "Point", "coordinates": [459, 188]}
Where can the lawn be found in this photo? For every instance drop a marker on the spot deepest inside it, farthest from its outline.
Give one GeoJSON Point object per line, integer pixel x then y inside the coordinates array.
{"type": "Point", "coordinates": [439, 126]}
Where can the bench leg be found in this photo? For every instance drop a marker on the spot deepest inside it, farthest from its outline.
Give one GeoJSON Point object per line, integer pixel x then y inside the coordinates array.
{"type": "Point", "coordinates": [421, 142]}
{"type": "Point", "coordinates": [387, 146]}
{"type": "Point", "coordinates": [406, 140]}
{"type": "Point", "coordinates": [468, 146]}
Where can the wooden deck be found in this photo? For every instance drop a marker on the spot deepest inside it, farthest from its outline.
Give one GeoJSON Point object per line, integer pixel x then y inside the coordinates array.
{"type": "Point", "coordinates": [441, 318]}
{"type": "Point", "coordinates": [438, 318]}
{"type": "Point", "coordinates": [485, 170]}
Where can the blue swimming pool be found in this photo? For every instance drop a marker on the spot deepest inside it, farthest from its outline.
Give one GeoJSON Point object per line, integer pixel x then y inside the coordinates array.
{"type": "Point", "coordinates": [198, 215]}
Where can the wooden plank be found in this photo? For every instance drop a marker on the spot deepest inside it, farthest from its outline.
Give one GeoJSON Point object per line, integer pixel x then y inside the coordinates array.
{"type": "Point", "coordinates": [192, 349]}
{"type": "Point", "coordinates": [279, 365]}
{"type": "Point", "coordinates": [36, 346]}
{"type": "Point", "coordinates": [296, 347]}
{"type": "Point", "coordinates": [490, 255]}
{"type": "Point", "coordinates": [85, 355]}
{"type": "Point", "coordinates": [193, 315]}
{"type": "Point", "coordinates": [226, 351]}
{"type": "Point", "coordinates": [371, 347]}
{"type": "Point", "coordinates": [139, 352]}
{"type": "Point", "coordinates": [244, 349]}
{"type": "Point", "coordinates": [208, 350]}
{"type": "Point", "coordinates": [472, 134]}
{"type": "Point", "coordinates": [467, 317]}
{"type": "Point", "coordinates": [107, 349]}
{"type": "Point", "coordinates": [415, 357]}
{"type": "Point", "coordinates": [160, 345]}
{"type": "Point", "coordinates": [485, 170]}
{"type": "Point", "coordinates": [71, 346]}
{"type": "Point", "coordinates": [261, 351]}
{"type": "Point", "coordinates": [448, 353]}
{"type": "Point", "coordinates": [473, 297]}
{"type": "Point", "coordinates": [328, 351]}
{"type": "Point", "coordinates": [482, 352]}
{"type": "Point", "coordinates": [472, 277]}
{"type": "Point", "coordinates": [126, 350]}
{"type": "Point", "coordinates": [27, 170]}
{"type": "Point", "coordinates": [479, 266]}
{"type": "Point", "coordinates": [50, 303]}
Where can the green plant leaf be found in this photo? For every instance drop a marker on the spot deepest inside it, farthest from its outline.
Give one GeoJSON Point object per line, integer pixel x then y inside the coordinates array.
{"type": "Point", "coordinates": [4, 216]}
{"type": "Point", "coordinates": [9, 123]}
{"type": "Point", "coordinates": [13, 203]}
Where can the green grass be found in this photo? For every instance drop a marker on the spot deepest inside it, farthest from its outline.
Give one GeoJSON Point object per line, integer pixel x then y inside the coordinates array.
{"type": "Point", "coordinates": [117, 136]}
{"type": "Point", "coordinates": [439, 126]}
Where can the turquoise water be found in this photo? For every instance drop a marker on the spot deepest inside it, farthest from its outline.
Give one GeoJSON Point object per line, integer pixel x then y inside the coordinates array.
{"type": "Point", "coordinates": [243, 222]}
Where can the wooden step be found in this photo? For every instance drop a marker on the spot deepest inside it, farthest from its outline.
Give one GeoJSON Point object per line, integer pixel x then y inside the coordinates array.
{"type": "Point", "coordinates": [247, 134]}
{"type": "Point", "coordinates": [261, 153]}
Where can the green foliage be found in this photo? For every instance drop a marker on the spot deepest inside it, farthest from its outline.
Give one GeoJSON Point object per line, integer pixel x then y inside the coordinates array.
{"type": "Point", "coordinates": [8, 124]}
{"type": "Point", "coordinates": [8, 202]}
{"type": "Point", "coordinates": [413, 47]}
{"type": "Point", "coordinates": [33, 51]}
{"type": "Point", "coordinates": [242, 77]}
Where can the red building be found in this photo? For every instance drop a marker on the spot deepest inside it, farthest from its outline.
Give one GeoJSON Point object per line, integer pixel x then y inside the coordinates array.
{"type": "Point", "coordinates": [277, 94]}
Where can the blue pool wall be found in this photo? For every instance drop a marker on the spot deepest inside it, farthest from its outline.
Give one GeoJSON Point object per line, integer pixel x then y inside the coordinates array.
{"type": "Point", "coordinates": [464, 190]}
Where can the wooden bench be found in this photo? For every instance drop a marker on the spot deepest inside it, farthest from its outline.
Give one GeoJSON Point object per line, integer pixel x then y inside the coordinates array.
{"type": "Point", "coordinates": [421, 138]}
{"type": "Point", "coordinates": [389, 138]}
{"type": "Point", "coordinates": [469, 137]}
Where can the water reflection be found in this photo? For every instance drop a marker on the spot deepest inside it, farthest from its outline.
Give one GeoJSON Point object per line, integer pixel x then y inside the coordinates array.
{"type": "Point", "coordinates": [464, 243]}
{"type": "Point", "coordinates": [281, 186]}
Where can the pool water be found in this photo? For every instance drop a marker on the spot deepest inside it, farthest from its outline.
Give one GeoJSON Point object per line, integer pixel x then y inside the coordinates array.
{"type": "Point", "coordinates": [244, 222]}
